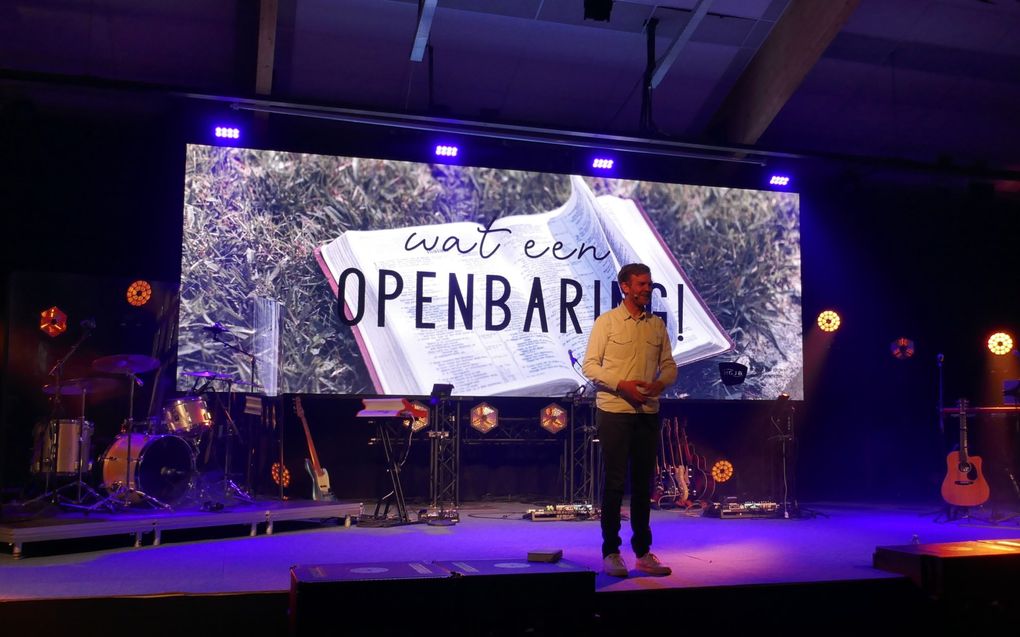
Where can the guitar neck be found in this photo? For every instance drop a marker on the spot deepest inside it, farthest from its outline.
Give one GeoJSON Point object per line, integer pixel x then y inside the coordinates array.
{"type": "Point", "coordinates": [308, 436]}
{"type": "Point", "coordinates": [963, 431]}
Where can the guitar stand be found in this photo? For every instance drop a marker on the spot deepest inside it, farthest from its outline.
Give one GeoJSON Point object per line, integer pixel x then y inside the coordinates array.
{"type": "Point", "coordinates": [397, 492]}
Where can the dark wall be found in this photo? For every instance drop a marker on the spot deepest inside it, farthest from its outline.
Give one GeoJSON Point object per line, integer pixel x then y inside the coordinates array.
{"type": "Point", "coordinates": [936, 265]}
{"type": "Point", "coordinates": [97, 190]}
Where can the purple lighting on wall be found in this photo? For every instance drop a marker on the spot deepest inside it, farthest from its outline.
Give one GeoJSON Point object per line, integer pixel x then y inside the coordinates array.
{"type": "Point", "coordinates": [446, 151]}
{"type": "Point", "coordinates": [779, 180]}
{"type": "Point", "coordinates": [227, 132]}
{"type": "Point", "coordinates": [602, 163]}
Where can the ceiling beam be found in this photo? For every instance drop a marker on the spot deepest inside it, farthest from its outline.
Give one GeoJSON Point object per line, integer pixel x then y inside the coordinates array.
{"type": "Point", "coordinates": [426, 11]}
{"type": "Point", "coordinates": [662, 66]}
{"type": "Point", "coordinates": [794, 46]}
{"type": "Point", "coordinates": [269, 11]}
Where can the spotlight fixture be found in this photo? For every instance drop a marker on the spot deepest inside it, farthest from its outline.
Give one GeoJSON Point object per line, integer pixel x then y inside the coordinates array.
{"type": "Point", "coordinates": [828, 321]}
{"type": "Point", "coordinates": [227, 132]}
{"type": "Point", "coordinates": [484, 418]}
{"type": "Point", "coordinates": [53, 322]}
{"type": "Point", "coordinates": [902, 348]}
{"type": "Point", "coordinates": [1000, 343]}
{"type": "Point", "coordinates": [139, 293]}
{"type": "Point", "coordinates": [553, 418]}
{"type": "Point", "coordinates": [779, 180]}
{"type": "Point", "coordinates": [281, 474]}
{"type": "Point", "coordinates": [446, 151]}
{"type": "Point", "coordinates": [418, 423]}
{"type": "Point", "coordinates": [602, 163]}
{"type": "Point", "coordinates": [722, 470]}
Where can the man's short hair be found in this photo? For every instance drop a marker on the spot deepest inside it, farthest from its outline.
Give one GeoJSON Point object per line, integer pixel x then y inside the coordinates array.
{"type": "Point", "coordinates": [632, 269]}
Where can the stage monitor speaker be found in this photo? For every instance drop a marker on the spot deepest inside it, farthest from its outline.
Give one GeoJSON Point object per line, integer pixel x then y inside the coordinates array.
{"type": "Point", "coordinates": [518, 597]}
{"type": "Point", "coordinates": [980, 568]}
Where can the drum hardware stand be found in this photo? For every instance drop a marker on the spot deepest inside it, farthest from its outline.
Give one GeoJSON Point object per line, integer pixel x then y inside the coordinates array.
{"type": "Point", "coordinates": [56, 409]}
{"type": "Point", "coordinates": [124, 491]}
{"type": "Point", "coordinates": [79, 484]}
{"type": "Point", "coordinates": [230, 433]}
{"type": "Point", "coordinates": [229, 486]}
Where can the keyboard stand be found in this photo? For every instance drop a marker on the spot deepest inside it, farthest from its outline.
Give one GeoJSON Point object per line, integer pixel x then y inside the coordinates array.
{"type": "Point", "coordinates": [396, 495]}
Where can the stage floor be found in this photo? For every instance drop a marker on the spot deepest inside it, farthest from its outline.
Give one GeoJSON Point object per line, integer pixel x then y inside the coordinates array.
{"type": "Point", "coordinates": [836, 545]}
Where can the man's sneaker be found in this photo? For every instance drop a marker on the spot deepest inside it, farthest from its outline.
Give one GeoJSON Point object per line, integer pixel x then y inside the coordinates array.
{"type": "Point", "coordinates": [650, 564]}
{"type": "Point", "coordinates": [614, 565]}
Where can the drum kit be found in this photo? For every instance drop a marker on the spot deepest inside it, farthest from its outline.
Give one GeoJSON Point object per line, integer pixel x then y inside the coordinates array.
{"type": "Point", "coordinates": [151, 461]}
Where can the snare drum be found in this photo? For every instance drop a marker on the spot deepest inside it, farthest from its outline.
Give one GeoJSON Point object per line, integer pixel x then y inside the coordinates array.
{"type": "Point", "coordinates": [60, 445]}
{"type": "Point", "coordinates": [188, 416]}
{"type": "Point", "coordinates": [159, 466]}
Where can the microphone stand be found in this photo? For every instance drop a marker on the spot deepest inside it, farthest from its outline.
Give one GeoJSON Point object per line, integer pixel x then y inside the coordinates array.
{"type": "Point", "coordinates": [229, 486]}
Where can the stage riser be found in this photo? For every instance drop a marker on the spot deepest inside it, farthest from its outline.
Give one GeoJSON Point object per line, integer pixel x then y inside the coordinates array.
{"type": "Point", "coordinates": [958, 570]}
{"type": "Point", "coordinates": [540, 603]}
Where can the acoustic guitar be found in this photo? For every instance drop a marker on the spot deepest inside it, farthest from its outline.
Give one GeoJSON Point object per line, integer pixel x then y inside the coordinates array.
{"type": "Point", "coordinates": [320, 478]}
{"type": "Point", "coordinates": [964, 486]}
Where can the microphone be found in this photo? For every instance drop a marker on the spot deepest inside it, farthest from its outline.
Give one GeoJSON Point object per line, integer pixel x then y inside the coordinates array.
{"type": "Point", "coordinates": [216, 328]}
{"type": "Point", "coordinates": [573, 359]}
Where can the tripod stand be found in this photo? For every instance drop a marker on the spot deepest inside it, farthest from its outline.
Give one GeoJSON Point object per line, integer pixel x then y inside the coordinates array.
{"type": "Point", "coordinates": [228, 434]}
{"type": "Point", "coordinates": [66, 443]}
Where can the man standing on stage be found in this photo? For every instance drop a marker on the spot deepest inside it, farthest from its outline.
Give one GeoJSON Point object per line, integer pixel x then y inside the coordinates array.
{"type": "Point", "coordinates": [630, 360]}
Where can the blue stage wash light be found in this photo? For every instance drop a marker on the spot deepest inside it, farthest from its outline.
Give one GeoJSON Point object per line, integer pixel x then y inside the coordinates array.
{"type": "Point", "coordinates": [227, 132]}
{"type": "Point", "coordinates": [602, 163]}
{"type": "Point", "coordinates": [779, 180]}
{"type": "Point", "coordinates": [446, 151]}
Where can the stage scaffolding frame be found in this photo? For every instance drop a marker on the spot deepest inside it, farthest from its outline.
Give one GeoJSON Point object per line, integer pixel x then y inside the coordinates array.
{"type": "Point", "coordinates": [585, 453]}
{"type": "Point", "coordinates": [444, 453]}
{"type": "Point", "coordinates": [580, 465]}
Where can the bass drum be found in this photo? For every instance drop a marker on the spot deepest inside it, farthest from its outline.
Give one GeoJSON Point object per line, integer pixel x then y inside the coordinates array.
{"type": "Point", "coordinates": [161, 467]}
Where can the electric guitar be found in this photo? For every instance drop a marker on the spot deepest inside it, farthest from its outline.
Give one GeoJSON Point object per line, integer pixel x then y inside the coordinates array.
{"type": "Point", "coordinates": [320, 478]}
{"type": "Point", "coordinates": [667, 491]}
{"type": "Point", "coordinates": [702, 484]}
{"type": "Point", "coordinates": [680, 471]}
{"type": "Point", "coordinates": [964, 486]}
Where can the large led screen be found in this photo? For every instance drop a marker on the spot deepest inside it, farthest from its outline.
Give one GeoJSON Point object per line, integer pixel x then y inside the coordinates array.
{"type": "Point", "coordinates": [321, 274]}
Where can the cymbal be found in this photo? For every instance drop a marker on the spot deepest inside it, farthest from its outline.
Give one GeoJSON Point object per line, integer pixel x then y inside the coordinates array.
{"type": "Point", "coordinates": [79, 386]}
{"type": "Point", "coordinates": [125, 364]}
{"type": "Point", "coordinates": [204, 373]}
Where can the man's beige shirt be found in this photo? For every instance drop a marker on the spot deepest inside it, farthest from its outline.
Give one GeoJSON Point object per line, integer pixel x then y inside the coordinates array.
{"type": "Point", "coordinates": [621, 347]}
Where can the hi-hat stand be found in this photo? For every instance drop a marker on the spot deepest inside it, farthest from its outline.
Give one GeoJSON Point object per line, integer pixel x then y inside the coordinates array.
{"type": "Point", "coordinates": [231, 433]}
